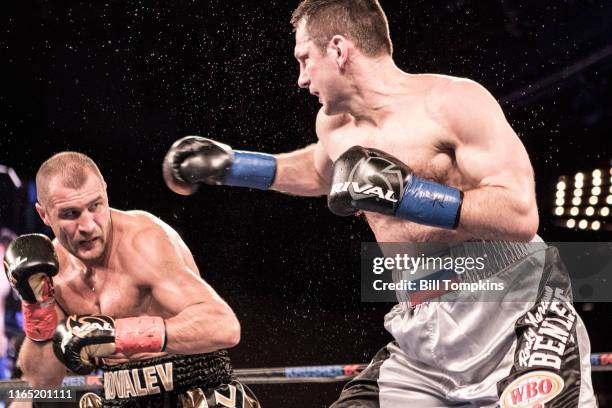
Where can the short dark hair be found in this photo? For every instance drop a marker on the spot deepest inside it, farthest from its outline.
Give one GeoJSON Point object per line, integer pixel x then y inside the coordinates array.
{"type": "Point", "coordinates": [73, 167]}
{"type": "Point", "coordinates": [363, 21]}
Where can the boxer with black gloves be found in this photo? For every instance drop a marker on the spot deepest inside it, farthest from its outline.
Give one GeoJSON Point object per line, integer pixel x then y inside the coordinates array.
{"type": "Point", "coordinates": [426, 158]}
{"type": "Point", "coordinates": [127, 295]}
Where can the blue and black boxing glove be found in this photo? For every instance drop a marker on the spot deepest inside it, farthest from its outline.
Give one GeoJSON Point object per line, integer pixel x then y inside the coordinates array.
{"type": "Point", "coordinates": [372, 180]}
{"type": "Point", "coordinates": [194, 160]}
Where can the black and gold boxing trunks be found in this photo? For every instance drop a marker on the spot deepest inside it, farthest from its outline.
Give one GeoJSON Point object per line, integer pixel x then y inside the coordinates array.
{"type": "Point", "coordinates": [188, 381]}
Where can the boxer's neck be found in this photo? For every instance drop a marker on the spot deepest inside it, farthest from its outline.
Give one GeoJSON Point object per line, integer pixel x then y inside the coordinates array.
{"type": "Point", "coordinates": [103, 260]}
{"type": "Point", "coordinates": [376, 84]}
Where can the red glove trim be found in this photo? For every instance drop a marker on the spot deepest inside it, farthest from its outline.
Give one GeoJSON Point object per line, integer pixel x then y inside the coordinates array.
{"type": "Point", "coordinates": [144, 334]}
{"type": "Point", "coordinates": [39, 320]}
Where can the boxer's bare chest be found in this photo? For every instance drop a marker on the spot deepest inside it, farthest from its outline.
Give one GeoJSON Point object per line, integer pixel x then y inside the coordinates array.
{"type": "Point", "coordinates": [111, 291]}
{"type": "Point", "coordinates": [418, 141]}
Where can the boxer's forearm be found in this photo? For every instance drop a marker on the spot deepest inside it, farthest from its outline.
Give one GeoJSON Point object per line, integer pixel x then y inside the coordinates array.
{"type": "Point", "coordinates": [39, 365]}
{"type": "Point", "coordinates": [202, 328]}
{"type": "Point", "coordinates": [492, 213]}
{"type": "Point", "coordinates": [499, 213]}
{"type": "Point", "coordinates": [296, 174]}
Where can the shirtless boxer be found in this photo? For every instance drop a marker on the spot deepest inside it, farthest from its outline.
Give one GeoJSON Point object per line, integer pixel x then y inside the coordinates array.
{"type": "Point", "coordinates": [441, 164]}
{"type": "Point", "coordinates": [119, 291]}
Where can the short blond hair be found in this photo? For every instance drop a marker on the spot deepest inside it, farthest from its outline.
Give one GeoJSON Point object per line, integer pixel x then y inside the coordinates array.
{"type": "Point", "coordinates": [74, 168]}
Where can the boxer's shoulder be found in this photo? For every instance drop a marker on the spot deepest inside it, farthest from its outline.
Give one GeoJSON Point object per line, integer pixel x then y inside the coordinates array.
{"type": "Point", "coordinates": [140, 224]}
{"type": "Point", "coordinates": [459, 104]}
{"type": "Point", "coordinates": [145, 239]}
{"type": "Point", "coordinates": [447, 93]}
{"type": "Point", "coordinates": [131, 218]}
{"type": "Point", "coordinates": [436, 81]}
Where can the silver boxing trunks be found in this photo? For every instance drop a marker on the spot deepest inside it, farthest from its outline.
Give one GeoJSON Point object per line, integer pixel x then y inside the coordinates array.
{"type": "Point", "coordinates": [527, 348]}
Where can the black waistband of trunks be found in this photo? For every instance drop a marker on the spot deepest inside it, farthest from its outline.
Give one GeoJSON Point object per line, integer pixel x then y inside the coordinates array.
{"type": "Point", "coordinates": [170, 373]}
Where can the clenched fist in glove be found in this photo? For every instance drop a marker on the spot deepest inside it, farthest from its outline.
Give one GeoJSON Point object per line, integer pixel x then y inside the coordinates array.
{"type": "Point", "coordinates": [30, 262]}
{"type": "Point", "coordinates": [194, 160]}
{"type": "Point", "coordinates": [80, 340]}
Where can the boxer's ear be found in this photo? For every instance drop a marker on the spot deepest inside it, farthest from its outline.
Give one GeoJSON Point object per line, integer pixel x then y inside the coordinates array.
{"type": "Point", "coordinates": [42, 213]}
{"type": "Point", "coordinates": [341, 47]}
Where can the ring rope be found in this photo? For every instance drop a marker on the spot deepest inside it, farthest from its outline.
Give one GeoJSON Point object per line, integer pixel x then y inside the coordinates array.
{"type": "Point", "coordinates": [275, 375]}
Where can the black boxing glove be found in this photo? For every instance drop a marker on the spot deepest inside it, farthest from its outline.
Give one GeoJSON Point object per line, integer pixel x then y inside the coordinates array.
{"type": "Point", "coordinates": [80, 340]}
{"type": "Point", "coordinates": [30, 262]}
{"type": "Point", "coordinates": [372, 180]}
{"type": "Point", "coordinates": [193, 160]}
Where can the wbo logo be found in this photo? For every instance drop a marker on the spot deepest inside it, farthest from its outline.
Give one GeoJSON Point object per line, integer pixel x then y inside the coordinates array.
{"type": "Point", "coordinates": [532, 390]}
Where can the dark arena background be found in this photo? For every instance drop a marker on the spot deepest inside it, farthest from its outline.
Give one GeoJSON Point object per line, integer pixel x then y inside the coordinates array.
{"type": "Point", "coordinates": [120, 81]}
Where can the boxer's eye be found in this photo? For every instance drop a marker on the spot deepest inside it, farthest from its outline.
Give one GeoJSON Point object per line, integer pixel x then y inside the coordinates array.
{"type": "Point", "coordinates": [69, 215]}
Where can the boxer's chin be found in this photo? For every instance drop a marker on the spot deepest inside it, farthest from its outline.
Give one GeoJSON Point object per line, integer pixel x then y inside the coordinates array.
{"type": "Point", "coordinates": [91, 250]}
{"type": "Point", "coordinates": [331, 107]}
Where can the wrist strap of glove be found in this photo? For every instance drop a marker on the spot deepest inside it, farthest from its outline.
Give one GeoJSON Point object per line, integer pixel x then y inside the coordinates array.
{"type": "Point", "coordinates": [254, 170]}
{"type": "Point", "coordinates": [39, 320]}
{"type": "Point", "coordinates": [430, 203]}
{"type": "Point", "coordinates": [144, 334]}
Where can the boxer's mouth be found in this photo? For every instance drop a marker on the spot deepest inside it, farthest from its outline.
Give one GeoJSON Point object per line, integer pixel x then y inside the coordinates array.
{"type": "Point", "coordinates": [88, 243]}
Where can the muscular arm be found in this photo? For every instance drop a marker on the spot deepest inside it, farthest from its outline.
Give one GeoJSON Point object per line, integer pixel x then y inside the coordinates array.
{"type": "Point", "coordinates": [307, 171]}
{"type": "Point", "coordinates": [490, 157]}
{"type": "Point", "coordinates": [39, 365]}
{"type": "Point", "coordinates": [303, 172]}
{"type": "Point", "coordinates": [201, 321]}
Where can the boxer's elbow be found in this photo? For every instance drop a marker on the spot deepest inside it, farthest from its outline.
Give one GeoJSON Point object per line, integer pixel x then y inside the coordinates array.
{"type": "Point", "coordinates": [231, 333]}
{"type": "Point", "coordinates": [228, 334]}
{"type": "Point", "coordinates": [39, 378]}
{"type": "Point", "coordinates": [39, 367]}
{"type": "Point", "coordinates": [217, 328]}
{"type": "Point", "coordinates": [526, 223]}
